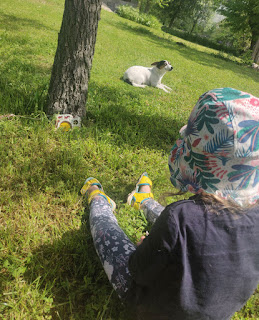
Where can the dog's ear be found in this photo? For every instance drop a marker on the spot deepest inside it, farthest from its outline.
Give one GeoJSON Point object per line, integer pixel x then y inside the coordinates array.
{"type": "Point", "coordinates": [159, 64]}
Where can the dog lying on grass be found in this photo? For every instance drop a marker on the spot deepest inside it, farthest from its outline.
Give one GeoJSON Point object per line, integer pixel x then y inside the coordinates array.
{"type": "Point", "coordinates": [141, 76]}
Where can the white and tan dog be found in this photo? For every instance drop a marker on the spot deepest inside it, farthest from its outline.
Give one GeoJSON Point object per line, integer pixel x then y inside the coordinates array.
{"type": "Point", "coordinates": [141, 76]}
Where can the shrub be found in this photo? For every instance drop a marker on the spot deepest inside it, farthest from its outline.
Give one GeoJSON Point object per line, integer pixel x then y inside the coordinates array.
{"type": "Point", "coordinates": [247, 57]}
{"type": "Point", "coordinates": [133, 14]}
{"type": "Point", "coordinates": [202, 40]}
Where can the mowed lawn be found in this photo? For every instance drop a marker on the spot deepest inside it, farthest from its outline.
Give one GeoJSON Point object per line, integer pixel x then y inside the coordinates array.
{"type": "Point", "coordinates": [48, 266]}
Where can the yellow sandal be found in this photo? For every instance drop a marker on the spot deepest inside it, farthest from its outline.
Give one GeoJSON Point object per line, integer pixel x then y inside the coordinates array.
{"type": "Point", "coordinates": [94, 182]}
{"type": "Point", "coordinates": [136, 198]}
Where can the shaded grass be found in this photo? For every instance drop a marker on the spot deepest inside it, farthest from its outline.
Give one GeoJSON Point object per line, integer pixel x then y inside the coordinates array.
{"type": "Point", "coordinates": [49, 269]}
{"type": "Point", "coordinates": [44, 246]}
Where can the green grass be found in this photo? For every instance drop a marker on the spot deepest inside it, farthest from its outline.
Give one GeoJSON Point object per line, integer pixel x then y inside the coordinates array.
{"type": "Point", "coordinates": [49, 269]}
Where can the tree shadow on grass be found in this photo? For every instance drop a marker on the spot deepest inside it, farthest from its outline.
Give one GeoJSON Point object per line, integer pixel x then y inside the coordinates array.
{"type": "Point", "coordinates": [21, 100]}
{"type": "Point", "coordinates": [189, 53]}
{"type": "Point", "coordinates": [69, 271]}
{"type": "Point", "coordinates": [14, 23]}
{"type": "Point", "coordinates": [23, 83]}
{"type": "Point", "coordinates": [128, 120]}
{"type": "Point", "coordinates": [24, 73]}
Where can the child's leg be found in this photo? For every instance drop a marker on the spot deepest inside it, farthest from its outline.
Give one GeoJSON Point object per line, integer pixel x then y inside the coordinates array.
{"type": "Point", "coordinates": [152, 210]}
{"type": "Point", "coordinates": [112, 245]}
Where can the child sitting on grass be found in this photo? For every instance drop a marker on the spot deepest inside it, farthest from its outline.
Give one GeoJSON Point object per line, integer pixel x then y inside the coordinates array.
{"type": "Point", "coordinates": [201, 258]}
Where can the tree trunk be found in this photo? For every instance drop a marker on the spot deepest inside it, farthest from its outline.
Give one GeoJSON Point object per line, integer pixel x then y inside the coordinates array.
{"type": "Point", "coordinates": [141, 6]}
{"type": "Point", "coordinates": [172, 20]}
{"type": "Point", "coordinates": [147, 6]}
{"type": "Point", "coordinates": [255, 55]}
{"type": "Point", "coordinates": [194, 24]}
{"type": "Point", "coordinates": [253, 39]}
{"type": "Point", "coordinates": [254, 26]}
{"type": "Point", "coordinates": [175, 12]}
{"type": "Point", "coordinates": [68, 87]}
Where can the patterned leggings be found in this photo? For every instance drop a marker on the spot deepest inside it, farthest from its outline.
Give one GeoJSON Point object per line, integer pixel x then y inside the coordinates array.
{"type": "Point", "coordinates": [111, 243]}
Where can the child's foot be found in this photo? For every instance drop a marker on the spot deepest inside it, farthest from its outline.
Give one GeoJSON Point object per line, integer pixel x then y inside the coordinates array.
{"type": "Point", "coordinates": [145, 189]}
{"type": "Point", "coordinates": [93, 188]}
{"type": "Point", "coordinates": [141, 193]}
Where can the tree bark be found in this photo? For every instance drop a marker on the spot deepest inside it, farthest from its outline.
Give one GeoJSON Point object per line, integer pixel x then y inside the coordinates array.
{"type": "Point", "coordinates": [141, 5]}
{"type": "Point", "coordinates": [173, 17]}
{"type": "Point", "coordinates": [147, 6]}
{"type": "Point", "coordinates": [68, 87]}
{"type": "Point", "coordinates": [176, 9]}
{"type": "Point", "coordinates": [194, 24]}
{"type": "Point", "coordinates": [255, 55]}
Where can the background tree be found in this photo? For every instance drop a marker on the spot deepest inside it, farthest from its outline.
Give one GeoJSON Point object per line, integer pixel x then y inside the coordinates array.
{"type": "Point", "coordinates": [255, 55]}
{"type": "Point", "coordinates": [236, 42]}
{"type": "Point", "coordinates": [187, 15]}
{"type": "Point", "coordinates": [145, 5]}
{"type": "Point", "coordinates": [243, 17]}
{"type": "Point", "coordinates": [73, 60]}
{"type": "Point", "coordinates": [202, 11]}
{"type": "Point", "coordinates": [196, 18]}
{"type": "Point", "coordinates": [173, 9]}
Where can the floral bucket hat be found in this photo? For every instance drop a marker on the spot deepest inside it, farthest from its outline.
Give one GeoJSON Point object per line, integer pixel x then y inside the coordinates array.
{"type": "Point", "coordinates": [219, 149]}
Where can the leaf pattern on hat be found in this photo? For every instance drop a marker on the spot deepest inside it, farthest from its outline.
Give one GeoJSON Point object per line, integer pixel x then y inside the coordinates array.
{"type": "Point", "coordinates": [243, 153]}
{"type": "Point", "coordinates": [187, 182]}
{"type": "Point", "coordinates": [220, 145]}
{"type": "Point", "coordinates": [251, 130]}
{"type": "Point", "coordinates": [244, 172]}
{"type": "Point", "coordinates": [207, 117]}
{"type": "Point", "coordinates": [198, 162]}
{"type": "Point", "coordinates": [223, 94]}
{"type": "Point", "coordinates": [191, 128]}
